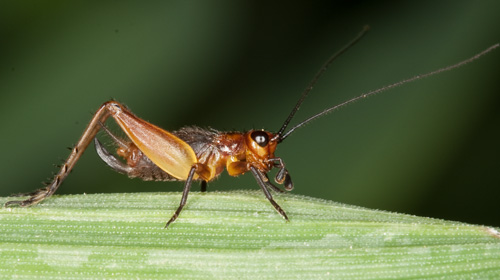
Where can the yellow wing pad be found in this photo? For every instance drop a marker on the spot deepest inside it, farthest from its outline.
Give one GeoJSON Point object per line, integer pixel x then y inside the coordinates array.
{"type": "Point", "coordinates": [166, 150]}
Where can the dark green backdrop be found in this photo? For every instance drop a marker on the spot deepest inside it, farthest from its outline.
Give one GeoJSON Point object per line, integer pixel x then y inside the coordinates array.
{"type": "Point", "coordinates": [429, 148]}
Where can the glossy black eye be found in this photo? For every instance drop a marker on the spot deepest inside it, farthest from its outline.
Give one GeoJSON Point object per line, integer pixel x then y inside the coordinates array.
{"type": "Point", "coordinates": [260, 137]}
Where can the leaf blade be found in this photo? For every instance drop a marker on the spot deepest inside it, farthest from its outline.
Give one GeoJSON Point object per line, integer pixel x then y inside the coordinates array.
{"type": "Point", "coordinates": [235, 235]}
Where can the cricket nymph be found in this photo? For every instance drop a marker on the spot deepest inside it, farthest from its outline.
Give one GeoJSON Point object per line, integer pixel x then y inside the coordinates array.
{"type": "Point", "coordinates": [193, 153]}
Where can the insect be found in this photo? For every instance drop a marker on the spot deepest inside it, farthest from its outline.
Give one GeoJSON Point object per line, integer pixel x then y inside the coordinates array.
{"type": "Point", "coordinates": [196, 154]}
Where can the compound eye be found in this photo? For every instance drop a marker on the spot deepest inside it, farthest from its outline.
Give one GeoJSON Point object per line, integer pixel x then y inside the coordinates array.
{"type": "Point", "coordinates": [260, 137]}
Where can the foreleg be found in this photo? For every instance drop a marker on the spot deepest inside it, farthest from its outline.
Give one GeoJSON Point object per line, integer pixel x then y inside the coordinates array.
{"type": "Point", "coordinates": [258, 176]}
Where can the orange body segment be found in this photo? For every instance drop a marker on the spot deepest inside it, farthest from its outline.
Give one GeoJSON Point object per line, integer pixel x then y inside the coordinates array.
{"type": "Point", "coordinates": [166, 150]}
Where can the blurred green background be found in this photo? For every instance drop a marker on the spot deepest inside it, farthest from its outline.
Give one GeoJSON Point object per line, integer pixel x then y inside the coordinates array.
{"type": "Point", "coordinates": [429, 148]}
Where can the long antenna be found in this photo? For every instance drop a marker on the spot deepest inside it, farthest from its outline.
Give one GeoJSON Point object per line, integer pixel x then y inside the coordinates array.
{"type": "Point", "coordinates": [414, 78]}
{"type": "Point", "coordinates": [316, 78]}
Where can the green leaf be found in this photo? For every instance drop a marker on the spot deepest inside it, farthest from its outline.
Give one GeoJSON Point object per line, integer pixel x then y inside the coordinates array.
{"type": "Point", "coordinates": [235, 235]}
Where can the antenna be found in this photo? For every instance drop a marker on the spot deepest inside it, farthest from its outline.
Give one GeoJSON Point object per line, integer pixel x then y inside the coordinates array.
{"type": "Point", "coordinates": [365, 95]}
{"type": "Point", "coordinates": [316, 78]}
